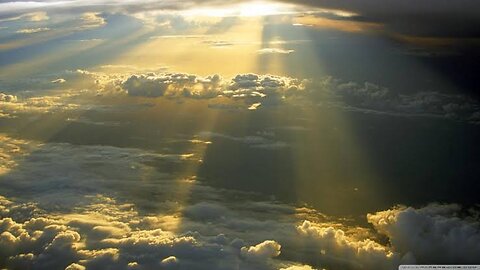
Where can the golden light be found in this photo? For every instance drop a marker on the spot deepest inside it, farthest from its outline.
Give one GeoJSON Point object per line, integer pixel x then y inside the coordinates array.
{"type": "Point", "coordinates": [250, 9]}
{"type": "Point", "coordinates": [260, 8]}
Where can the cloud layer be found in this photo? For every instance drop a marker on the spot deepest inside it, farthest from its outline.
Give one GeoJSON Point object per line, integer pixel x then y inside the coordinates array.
{"type": "Point", "coordinates": [258, 90]}
{"type": "Point", "coordinates": [458, 19]}
{"type": "Point", "coordinates": [95, 220]}
{"type": "Point", "coordinates": [246, 92]}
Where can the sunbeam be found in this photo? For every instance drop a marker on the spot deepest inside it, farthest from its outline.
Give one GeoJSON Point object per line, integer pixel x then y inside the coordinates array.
{"type": "Point", "coordinates": [239, 134]}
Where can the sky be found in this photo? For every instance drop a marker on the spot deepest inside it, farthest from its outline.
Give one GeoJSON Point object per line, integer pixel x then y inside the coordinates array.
{"type": "Point", "coordinates": [289, 135]}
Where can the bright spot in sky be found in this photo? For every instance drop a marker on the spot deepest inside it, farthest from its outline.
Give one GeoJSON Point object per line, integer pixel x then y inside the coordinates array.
{"type": "Point", "coordinates": [250, 9]}
{"type": "Point", "coordinates": [260, 8]}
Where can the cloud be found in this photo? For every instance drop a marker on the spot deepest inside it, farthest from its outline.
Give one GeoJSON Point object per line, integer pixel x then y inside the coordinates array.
{"type": "Point", "coordinates": [75, 266]}
{"type": "Point", "coordinates": [434, 233]}
{"type": "Point", "coordinates": [172, 84]}
{"type": "Point", "coordinates": [87, 121]}
{"type": "Point", "coordinates": [33, 30]}
{"type": "Point", "coordinates": [59, 80]}
{"type": "Point", "coordinates": [274, 51]}
{"type": "Point", "coordinates": [337, 23]}
{"type": "Point", "coordinates": [38, 16]}
{"type": "Point", "coordinates": [254, 141]}
{"type": "Point", "coordinates": [430, 18]}
{"type": "Point", "coordinates": [92, 219]}
{"type": "Point", "coordinates": [265, 90]}
{"type": "Point", "coordinates": [262, 251]}
{"type": "Point", "coordinates": [372, 98]}
{"type": "Point", "coordinates": [31, 17]}
{"type": "Point", "coordinates": [339, 249]}
{"type": "Point", "coordinates": [73, 243]}
{"type": "Point", "coordinates": [449, 19]}
{"type": "Point", "coordinates": [171, 260]}
{"type": "Point", "coordinates": [254, 106]}
{"type": "Point", "coordinates": [14, 107]}
{"type": "Point", "coordinates": [7, 98]}
{"type": "Point", "coordinates": [242, 86]}
{"type": "Point", "coordinates": [92, 20]}
{"type": "Point", "coordinates": [248, 91]}
{"type": "Point", "coordinates": [206, 211]}
{"type": "Point", "coordinates": [298, 267]}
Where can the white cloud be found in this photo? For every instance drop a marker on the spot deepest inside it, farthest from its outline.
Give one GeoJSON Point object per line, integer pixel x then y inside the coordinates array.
{"type": "Point", "coordinates": [33, 30]}
{"type": "Point", "coordinates": [13, 107]}
{"type": "Point", "coordinates": [253, 91]}
{"type": "Point", "coordinates": [275, 51]}
{"type": "Point", "coordinates": [92, 20]}
{"type": "Point", "coordinates": [254, 106]}
{"type": "Point", "coordinates": [434, 233]}
{"type": "Point", "coordinates": [338, 248]}
{"type": "Point", "coordinates": [266, 90]}
{"type": "Point", "coordinates": [59, 80]}
{"type": "Point", "coordinates": [32, 17]}
{"type": "Point", "coordinates": [7, 98]}
{"type": "Point", "coordinates": [269, 89]}
{"type": "Point", "coordinates": [37, 16]}
{"type": "Point", "coordinates": [171, 260]}
{"type": "Point", "coordinates": [298, 267]}
{"type": "Point", "coordinates": [262, 251]}
{"type": "Point", "coordinates": [80, 210]}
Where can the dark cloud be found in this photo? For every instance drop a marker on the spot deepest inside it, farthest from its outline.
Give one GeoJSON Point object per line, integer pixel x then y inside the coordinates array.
{"type": "Point", "coordinates": [426, 18]}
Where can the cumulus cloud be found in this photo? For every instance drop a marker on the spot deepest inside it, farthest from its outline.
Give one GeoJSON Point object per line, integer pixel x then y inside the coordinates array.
{"type": "Point", "coordinates": [251, 87]}
{"type": "Point", "coordinates": [264, 250]}
{"type": "Point", "coordinates": [13, 107]}
{"type": "Point", "coordinates": [431, 234]}
{"type": "Point", "coordinates": [92, 219]}
{"type": "Point", "coordinates": [373, 98]}
{"type": "Point", "coordinates": [7, 98]}
{"type": "Point", "coordinates": [338, 248]}
{"type": "Point", "coordinates": [92, 20]}
{"type": "Point", "coordinates": [73, 242]}
{"type": "Point", "coordinates": [253, 92]}
{"type": "Point", "coordinates": [172, 84]}
{"type": "Point", "coordinates": [258, 91]}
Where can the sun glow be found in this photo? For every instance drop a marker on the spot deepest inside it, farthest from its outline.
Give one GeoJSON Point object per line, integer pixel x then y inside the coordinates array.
{"type": "Point", "coordinates": [250, 9]}
{"type": "Point", "coordinates": [262, 9]}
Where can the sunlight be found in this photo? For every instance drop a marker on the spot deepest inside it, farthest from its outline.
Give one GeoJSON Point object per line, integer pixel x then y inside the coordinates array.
{"type": "Point", "coordinates": [260, 8]}
{"type": "Point", "coordinates": [250, 9]}
{"type": "Point", "coordinates": [242, 134]}
{"type": "Point", "coordinates": [226, 54]}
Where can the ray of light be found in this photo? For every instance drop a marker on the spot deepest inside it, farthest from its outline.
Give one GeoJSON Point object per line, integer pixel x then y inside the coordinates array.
{"type": "Point", "coordinates": [332, 170]}
{"type": "Point", "coordinates": [230, 53]}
